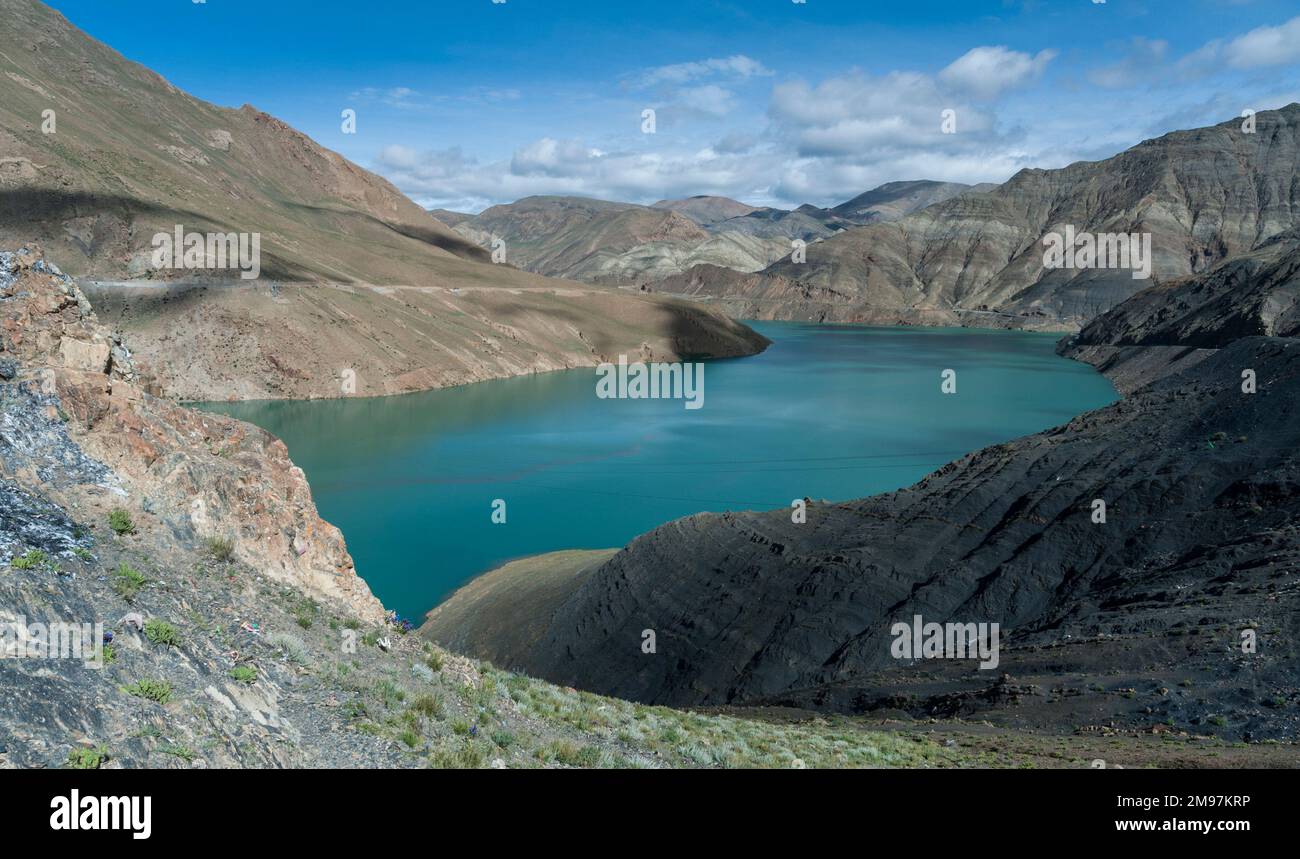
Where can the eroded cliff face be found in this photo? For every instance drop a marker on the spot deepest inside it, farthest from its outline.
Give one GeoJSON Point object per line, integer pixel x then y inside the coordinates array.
{"type": "Point", "coordinates": [75, 396]}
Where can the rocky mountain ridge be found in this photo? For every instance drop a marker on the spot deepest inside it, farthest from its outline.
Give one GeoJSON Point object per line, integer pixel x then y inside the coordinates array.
{"type": "Point", "coordinates": [1203, 195]}
{"type": "Point", "coordinates": [598, 241]}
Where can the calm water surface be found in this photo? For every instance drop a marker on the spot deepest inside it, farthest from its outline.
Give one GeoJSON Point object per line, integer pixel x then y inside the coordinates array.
{"type": "Point", "coordinates": [827, 411]}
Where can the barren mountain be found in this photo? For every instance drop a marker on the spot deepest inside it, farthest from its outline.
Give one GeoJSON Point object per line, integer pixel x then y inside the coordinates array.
{"type": "Point", "coordinates": [129, 155]}
{"type": "Point", "coordinates": [598, 241]}
{"type": "Point", "coordinates": [895, 200]}
{"type": "Point", "coordinates": [1203, 195]}
{"type": "Point", "coordinates": [622, 243]}
{"type": "Point", "coordinates": [392, 293]}
{"type": "Point", "coordinates": [299, 341]}
{"type": "Point", "coordinates": [705, 210]}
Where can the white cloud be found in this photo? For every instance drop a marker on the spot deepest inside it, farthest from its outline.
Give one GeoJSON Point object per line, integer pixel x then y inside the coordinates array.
{"type": "Point", "coordinates": [1265, 46]}
{"type": "Point", "coordinates": [736, 66]}
{"type": "Point", "coordinates": [399, 97]}
{"type": "Point", "coordinates": [447, 179]}
{"type": "Point", "coordinates": [987, 71]}
{"type": "Point", "coordinates": [710, 99]}
{"type": "Point", "coordinates": [858, 113]}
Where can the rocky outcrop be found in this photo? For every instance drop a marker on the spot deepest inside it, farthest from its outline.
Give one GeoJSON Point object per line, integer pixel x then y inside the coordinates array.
{"type": "Point", "coordinates": [1171, 326]}
{"type": "Point", "coordinates": [85, 425]}
{"type": "Point", "coordinates": [1204, 196]}
{"type": "Point", "coordinates": [1198, 543]}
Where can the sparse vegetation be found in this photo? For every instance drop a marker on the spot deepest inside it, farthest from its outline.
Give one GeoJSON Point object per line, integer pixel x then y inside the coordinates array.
{"type": "Point", "coordinates": [429, 706]}
{"type": "Point", "coordinates": [222, 549]}
{"type": "Point", "coordinates": [292, 646]}
{"type": "Point", "coordinates": [88, 758]}
{"type": "Point", "coordinates": [159, 691]}
{"type": "Point", "coordinates": [161, 632]}
{"type": "Point", "coordinates": [128, 581]}
{"type": "Point", "coordinates": [30, 560]}
{"type": "Point", "coordinates": [185, 753]}
{"type": "Point", "coordinates": [120, 521]}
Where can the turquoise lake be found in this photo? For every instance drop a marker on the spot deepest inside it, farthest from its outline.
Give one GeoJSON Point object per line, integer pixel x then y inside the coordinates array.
{"type": "Point", "coordinates": [828, 411]}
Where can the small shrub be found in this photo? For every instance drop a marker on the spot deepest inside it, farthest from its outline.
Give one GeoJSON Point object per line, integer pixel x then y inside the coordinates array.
{"type": "Point", "coordinates": [503, 739]}
{"type": "Point", "coordinates": [434, 661]}
{"type": "Point", "coordinates": [293, 647]}
{"type": "Point", "coordinates": [159, 691]}
{"type": "Point", "coordinates": [221, 548]}
{"type": "Point", "coordinates": [429, 706]}
{"type": "Point", "coordinates": [410, 738]}
{"type": "Point", "coordinates": [83, 553]}
{"type": "Point", "coordinates": [161, 632]}
{"type": "Point", "coordinates": [389, 693]}
{"type": "Point", "coordinates": [120, 521]}
{"type": "Point", "coordinates": [30, 560]}
{"type": "Point", "coordinates": [246, 674]}
{"type": "Point", "coordinates": [128, 581]}
{"type": "Point", "coordinates": [304, 621]}
{"type": "Point", "coordinates": [185, 753]}
{"type": "Point", "coordinates": [88, 759]}
{"type": "Point", "coordinates": [458, 755]}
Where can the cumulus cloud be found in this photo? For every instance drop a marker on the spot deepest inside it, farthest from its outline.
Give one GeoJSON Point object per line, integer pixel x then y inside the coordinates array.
{"type": "Point", "coordinates": [857, 113]}
{"type": "Point", "coordinates": [988, 71]}
{"type": "Point", "coordinates": [447, 179]}
{"type": "Point", "coordinates": [1265, 46]}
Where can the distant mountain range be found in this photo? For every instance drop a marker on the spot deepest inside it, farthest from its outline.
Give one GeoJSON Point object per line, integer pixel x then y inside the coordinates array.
{"type": "Point", "coordinates": [1203, 196]}
{"type": "Point", "coordinates": [623, 243]}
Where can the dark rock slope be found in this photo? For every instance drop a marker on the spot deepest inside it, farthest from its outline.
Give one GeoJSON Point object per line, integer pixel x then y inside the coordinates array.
{"type": "Point", "coordinates": [1171, 326]}
{"type": "Point", "coordinates": [1136, 621]}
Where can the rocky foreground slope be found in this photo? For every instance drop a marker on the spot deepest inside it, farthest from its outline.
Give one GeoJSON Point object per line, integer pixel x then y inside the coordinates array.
{"type": "Point", "coordinates": [1135, 623]}
{"type": "Point", "coordinates": [1203, 195]}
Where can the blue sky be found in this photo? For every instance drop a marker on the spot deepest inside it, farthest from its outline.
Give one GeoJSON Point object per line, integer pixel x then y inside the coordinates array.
{"type": "Point", "coordinates": [466, 103]}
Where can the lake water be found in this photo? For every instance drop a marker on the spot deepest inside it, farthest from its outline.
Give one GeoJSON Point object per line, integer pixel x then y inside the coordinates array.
{"type": "Point", "coordinates": [827, 411]}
